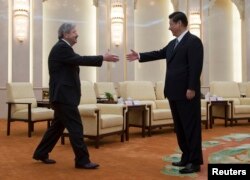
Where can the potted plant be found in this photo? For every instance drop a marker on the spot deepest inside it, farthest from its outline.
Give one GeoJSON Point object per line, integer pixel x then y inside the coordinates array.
{"type": "Point", "coordinates": [109, 96]}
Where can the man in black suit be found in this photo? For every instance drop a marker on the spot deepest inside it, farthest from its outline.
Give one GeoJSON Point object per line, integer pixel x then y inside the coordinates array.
{"type": "Point", "coordinates": [65, 92]}
{"type": "Point", "coordinates": [184, 58]}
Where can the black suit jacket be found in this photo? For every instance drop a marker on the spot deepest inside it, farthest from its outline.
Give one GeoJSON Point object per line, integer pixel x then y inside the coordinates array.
{"type": "Point", "coordinates": [184, 66]}
{"type": "Point", "coordinates": [64, 83]}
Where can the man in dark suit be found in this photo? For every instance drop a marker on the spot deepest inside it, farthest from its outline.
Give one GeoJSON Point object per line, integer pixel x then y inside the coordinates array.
{"type": "Point", "coordinates": [184, 58]}
{"type": "Point", "coordinates": [65, 92]}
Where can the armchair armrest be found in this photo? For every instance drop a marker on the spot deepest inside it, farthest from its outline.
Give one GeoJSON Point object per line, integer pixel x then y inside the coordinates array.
{"type": "Point", "coordinates": [204, 102]}
{"type": "Point", "coordinates": [245, 101]}
{"type": "Point", "coordinates": [46, 104]}
{"type": "Point", "coordinates": [24, 103]}
{"type": "Point", "coordinates": [162, 104]}
{"type": "Point", "coordinates": [19, 103]}
{"type": "Point", "coordinates": [111, 108]}
{"type": "Point", "coordinates": [90, 111]}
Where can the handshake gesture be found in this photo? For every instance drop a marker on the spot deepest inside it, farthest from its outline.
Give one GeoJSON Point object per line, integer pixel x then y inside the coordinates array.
{"type": "Point", "coordinates": [110, 57]}
{"type": "Point", "coordinates": [114, 58]}
{"type": "Point", "coordinates": [132, 56]}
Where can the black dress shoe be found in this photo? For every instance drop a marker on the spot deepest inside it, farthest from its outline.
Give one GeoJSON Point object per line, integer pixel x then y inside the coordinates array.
{"type": "Point", "coordinates": [178, 163]}
{"type": "Point", "coordinates": [87, 166]}
{"type": "Point", "coordinates": [190, 168]}
{"type": "Point", "coordinates": [45, 160]}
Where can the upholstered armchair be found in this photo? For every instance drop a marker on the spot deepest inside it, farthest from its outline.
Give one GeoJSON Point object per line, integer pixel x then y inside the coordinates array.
{"type": "Point", "coordinates": [238, 107]}
{"type": "Point", "coordinates": [99, 120]}
{"type": "Point", "coordinates": [158, 113]}
{"type": "Point", "coordinates": [160, 99]}
{"type": "Point", "coordinates": [22, 106]}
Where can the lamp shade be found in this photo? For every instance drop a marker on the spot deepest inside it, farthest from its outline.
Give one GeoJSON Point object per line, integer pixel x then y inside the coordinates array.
{"type": "Point", "coordinates": [21, 19]}
{"type": "Point", "coordinates": [195, 23]}
{"type": "Point", "coordinates": [117, 17]}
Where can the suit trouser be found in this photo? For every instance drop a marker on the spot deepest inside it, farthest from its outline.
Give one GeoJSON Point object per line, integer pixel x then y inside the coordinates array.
{"type": "Point", "coordinates": [65, 116]}
{"type": "Point", "coordinates": [187, 123]}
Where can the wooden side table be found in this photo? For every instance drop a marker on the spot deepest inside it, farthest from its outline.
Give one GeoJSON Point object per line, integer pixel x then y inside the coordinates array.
{"type": "Point", "coordinates": [44, 104]}
{"type": "Point", "coordinates": [105, 101]}
{"type": "Point", "coordinates": [225, 104]}
{"type": "Point", "coordinates": [141, 108]}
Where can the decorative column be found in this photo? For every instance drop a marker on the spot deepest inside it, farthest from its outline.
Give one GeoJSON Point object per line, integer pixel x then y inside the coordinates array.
{"type": "Point", "coordinates": [115, 33]}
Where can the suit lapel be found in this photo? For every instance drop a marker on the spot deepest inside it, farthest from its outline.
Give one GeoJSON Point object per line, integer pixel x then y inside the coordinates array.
{"type": "Point", "coordinates": [181, 43]}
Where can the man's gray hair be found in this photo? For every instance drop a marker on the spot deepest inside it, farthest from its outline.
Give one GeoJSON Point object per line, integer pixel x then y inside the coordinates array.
{"type": "Point", "coordinates": [65, 28]}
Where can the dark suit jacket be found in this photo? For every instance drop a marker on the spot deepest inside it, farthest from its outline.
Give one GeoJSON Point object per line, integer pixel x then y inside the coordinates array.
{"type": "Point", "coordinates": [64, 83]}
{"type": "Point", "coordinates": [184, 66]}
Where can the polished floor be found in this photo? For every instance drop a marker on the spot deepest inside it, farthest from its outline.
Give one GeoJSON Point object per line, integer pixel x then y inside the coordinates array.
{"type": "Point", "coordinates": [137, 159]}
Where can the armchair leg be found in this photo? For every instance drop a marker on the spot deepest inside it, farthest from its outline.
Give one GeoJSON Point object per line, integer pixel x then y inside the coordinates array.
{"type": "Point", "coordinates": [97, 140]}
{"type": "Point", "coordinates": [149, 131]}
{"type": "Point", "coordinates": [122, 137]}
{"type": "Point", "coordinates": [231, 122]}
{"type": "Point", "coordinates": [63, 139]}
{"type": "Point", "coordinates": [8, 127]}
{"type": "Point", "coordinates": [30, 128]}
{"type": "Point", "coordinates": [206, 124]}
{"type": "Point", "coordinates": [48, 124]}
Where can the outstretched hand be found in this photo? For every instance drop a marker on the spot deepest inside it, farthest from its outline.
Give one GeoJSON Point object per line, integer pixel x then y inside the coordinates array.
{"type": "Point", "coordinates": [132, 56]}
{"type": "Point", "coordinates": [110, 57]}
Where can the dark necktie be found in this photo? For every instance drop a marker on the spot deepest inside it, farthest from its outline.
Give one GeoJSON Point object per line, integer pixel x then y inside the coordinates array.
{"type": "Point", "coordinates": [176, 43]}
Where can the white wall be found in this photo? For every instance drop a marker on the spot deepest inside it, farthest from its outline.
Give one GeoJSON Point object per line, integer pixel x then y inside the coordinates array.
{"type": "Point", "coordinates": [220, 41]}
{"type": "Point", "coordinates": [151, 33]}
{"type": "Point", "coordinates": [20, 61]}
{"type": "Point", "coordinates": [146, 27]}
{"type": "Point", "coordinates": [83, 14]}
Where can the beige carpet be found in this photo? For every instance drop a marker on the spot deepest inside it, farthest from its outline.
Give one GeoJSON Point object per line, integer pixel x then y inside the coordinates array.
{"type": "Point", "coordinates": [138, 159]}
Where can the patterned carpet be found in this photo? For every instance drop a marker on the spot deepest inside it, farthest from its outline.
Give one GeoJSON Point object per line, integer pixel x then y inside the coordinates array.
{"type": "Point", "coordinates": [232, 148]}
{"type": "Point", "coordinates": [136, 159]}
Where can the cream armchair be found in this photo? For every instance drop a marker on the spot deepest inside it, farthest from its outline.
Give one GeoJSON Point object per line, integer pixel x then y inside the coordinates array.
{"type": "Point", "coordinates": [159, 91]}
{"type": "Point", "coordinates": [22, 106]}
{"type": "Point", "coordinates": [238, 109]}
{"type": "Point", "coordinates": [158, 113]}
{"type": "Point", "coordinates": [99, 120]}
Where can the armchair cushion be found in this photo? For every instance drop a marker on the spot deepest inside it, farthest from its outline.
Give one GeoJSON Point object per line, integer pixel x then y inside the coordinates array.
{"type": "Point", "coordinates": [21, 92]}
{"type": "Point", "coordinates": [36, 114]}
{"type": "Point", "coordinates": [160, 114]}
{"type": "Point", "coordinates": [102, 87]}
{"type": "Point", "coordinates": [242, 109]}
{"type": "Point", "coordinates": [227, 89]}
{"type": "Point", "coordinates": [111, 108]}
{"type": "Point", "coordinates": [140, 90]}
{"type": "Point", "coordinates": [88, 93]}
{"type": "Point", "coordinates": [162, 104]}
{"type": "Point", "coordinates": [245, 101]}
{"type": "Point", "coordinates": [111, 120]}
